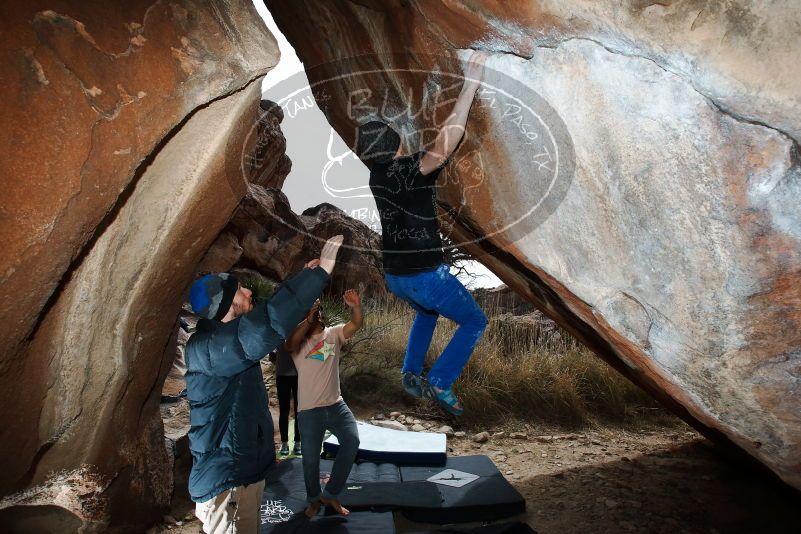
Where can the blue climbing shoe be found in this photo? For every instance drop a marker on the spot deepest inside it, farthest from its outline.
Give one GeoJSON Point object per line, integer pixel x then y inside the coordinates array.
{"type": "Point", "coordinates": [412, 383]}
{"type": "Point", "coordinates": [445, 398]}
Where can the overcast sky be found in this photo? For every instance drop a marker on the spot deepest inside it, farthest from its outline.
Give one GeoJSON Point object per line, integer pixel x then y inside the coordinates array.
{"type": "Point", "coordinates": [323, 170]}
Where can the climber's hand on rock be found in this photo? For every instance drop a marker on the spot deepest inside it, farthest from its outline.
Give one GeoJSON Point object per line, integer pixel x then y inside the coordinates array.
{"type": "Point", "coordinates": [474, 69]}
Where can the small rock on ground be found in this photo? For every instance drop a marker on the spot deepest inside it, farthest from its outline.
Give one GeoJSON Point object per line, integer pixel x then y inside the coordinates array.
{"type": "Point", "coordinates": [394, 425]}
{"type": "Point", "coordinates": [481, 437]}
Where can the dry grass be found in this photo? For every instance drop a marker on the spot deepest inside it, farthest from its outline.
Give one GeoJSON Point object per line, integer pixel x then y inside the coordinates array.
{"type": "Point", "coordinates": [523, 368]}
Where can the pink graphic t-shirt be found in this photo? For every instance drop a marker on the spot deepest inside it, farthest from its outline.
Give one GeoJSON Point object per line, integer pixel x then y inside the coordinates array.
{"type": "Point", "coordinates": [317, 362]}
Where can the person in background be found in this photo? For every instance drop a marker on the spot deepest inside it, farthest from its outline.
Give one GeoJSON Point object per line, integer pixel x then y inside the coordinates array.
{"type": "Point", "coordinates": [286, 384]}
{"type": "Point", "coordinates": [316, 350]}
{"type": "Point", "coordinates": [231, 432]}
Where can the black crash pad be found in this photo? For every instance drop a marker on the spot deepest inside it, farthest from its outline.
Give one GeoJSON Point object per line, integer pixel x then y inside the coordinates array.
{"type": "Point", "coordinates": [498, 528]}
{"type": "Point", "coordinates": [391, 496]}
{"type": "Point", "coordinates": [353, 523]}
{"type": "Point", "coordinates": [284, 501]}
{"type": "Point", "coordinates": [366, 471]}
{"type": "Point", "coordinates": [487, 497]}
{"type": "Point", "coordinates": [369, 486]}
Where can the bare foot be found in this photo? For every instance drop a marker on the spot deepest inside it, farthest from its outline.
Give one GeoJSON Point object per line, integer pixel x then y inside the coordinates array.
{"type": "Point", "coordinates": [313, 509]}
{"type": "Point", "coordinates": [328, 257]}
{"type": "Point", "coordinates": [336, 505]}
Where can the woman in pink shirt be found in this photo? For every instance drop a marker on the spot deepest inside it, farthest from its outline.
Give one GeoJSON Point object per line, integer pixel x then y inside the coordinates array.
{"type": "Point", "coordinates": [315, 351]}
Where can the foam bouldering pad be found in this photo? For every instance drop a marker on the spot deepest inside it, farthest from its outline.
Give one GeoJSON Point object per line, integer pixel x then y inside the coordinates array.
{"type": "Point", "coordinates": [353, 523]}
{"type": "Point", "coordinates": [285, 479]}
{"type": "Point", "coordinates": [369, 487]}
{"type": "Point", "coordinates": [472, 489]}
{"type": "Point", "coordinates": [391, 496]}
{"type": "Point", "coordinates": [284, 502]}
{"type": "Point", "coordinates": [378, 444]}
{"type": "Point", "coordinates": [367, 471]}
{"type": "Point", "coordinates": [499, 528]}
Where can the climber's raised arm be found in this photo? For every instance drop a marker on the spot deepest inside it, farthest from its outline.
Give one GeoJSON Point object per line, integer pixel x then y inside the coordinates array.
{"type": "Point", "coordinates": [452, 131]}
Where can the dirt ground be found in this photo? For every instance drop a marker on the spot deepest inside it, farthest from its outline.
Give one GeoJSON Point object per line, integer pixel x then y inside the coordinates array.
{"type": "Point", "coordinates": [655, 480]}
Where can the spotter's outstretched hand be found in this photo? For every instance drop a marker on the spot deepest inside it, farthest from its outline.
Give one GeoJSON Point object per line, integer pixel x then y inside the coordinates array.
{"type": "Point", "coordinates": [328, 257]}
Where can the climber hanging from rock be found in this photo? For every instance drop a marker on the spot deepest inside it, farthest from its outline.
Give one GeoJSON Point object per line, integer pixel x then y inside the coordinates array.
{"type": "Point", "coordinates": [405, 193]}
{"type": "Point", "coordinates": [231, 437]}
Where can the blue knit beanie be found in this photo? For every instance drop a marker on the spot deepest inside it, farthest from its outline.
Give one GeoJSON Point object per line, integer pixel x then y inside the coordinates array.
{"type": "Point", "coordinates": [211, 296]}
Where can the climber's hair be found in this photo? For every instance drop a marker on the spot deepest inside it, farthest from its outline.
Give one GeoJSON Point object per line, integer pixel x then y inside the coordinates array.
{"type": "Point", "coordinates": [376, 142]}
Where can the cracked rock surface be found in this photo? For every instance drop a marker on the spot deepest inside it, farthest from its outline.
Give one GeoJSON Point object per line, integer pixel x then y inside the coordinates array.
{"type": "Point", "coordinates": [670, 241]}
{"type": "Point", "coordinates": [124, 127]}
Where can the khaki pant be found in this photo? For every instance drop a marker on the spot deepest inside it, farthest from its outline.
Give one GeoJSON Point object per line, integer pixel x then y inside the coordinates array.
{"type": "Point", "coordinates": [234, 511]}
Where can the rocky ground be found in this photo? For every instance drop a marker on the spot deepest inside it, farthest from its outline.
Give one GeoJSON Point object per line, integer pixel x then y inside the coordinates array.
{"type": "Point", "coordinates": [654, 479]}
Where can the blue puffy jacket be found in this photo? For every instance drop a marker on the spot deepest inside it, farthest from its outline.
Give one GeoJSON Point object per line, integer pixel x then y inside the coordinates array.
{"type": "Point", "coordinates": [231, 433]}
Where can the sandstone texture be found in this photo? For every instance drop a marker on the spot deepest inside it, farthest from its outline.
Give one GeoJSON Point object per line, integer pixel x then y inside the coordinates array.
{"type": "Point", "coordinates": [267, 236]}
{"type": "Point", "coordinates": [125, 127]}
{"type": "Point", "coordinates": [269, 164]}
{"type": "Point", "coordinates": [632, 168]}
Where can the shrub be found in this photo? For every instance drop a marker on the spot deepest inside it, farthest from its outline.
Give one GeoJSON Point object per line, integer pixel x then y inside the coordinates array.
{"type": "Point", "coordinates": [523, 367]}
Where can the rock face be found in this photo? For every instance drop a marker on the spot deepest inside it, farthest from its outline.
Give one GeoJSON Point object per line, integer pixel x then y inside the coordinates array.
{"type": "Point", "coordinates": [125, 125]}
{"type": "Point", "coordinates": [266, 235]}
{"type": "Point", "coordinates": [360, 261]}
{"type": "Point", "coordinates": [269, 163]}
{"type": "Point", "coordinates": [670, 242]}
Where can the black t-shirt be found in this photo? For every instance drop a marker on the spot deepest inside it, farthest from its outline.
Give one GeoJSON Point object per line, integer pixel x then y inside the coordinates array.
{"type": "Point", "coordinates": [407, 204]}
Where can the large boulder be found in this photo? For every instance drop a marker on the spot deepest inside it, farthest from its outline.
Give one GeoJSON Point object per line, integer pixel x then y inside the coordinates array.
{"type": "Point", "coordinates": [670, 241]}
{"type": "Point", "coordinates": [266, 235]}
{"type": "Point", "coordinates": [90, 92]}
{"type": "Point", "coordinates": [359, 262]}
{"type": "Point", "coordinates": [125, 125]}
{"type": "Point", "coordinates": [269, 163]}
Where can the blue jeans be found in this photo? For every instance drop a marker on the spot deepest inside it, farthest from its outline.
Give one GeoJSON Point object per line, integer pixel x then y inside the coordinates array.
{"type": "Point", "coordinates": [432, 294]}
{"type": "Point", "coordinates": [313, 423]}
